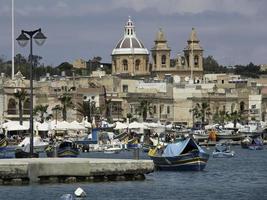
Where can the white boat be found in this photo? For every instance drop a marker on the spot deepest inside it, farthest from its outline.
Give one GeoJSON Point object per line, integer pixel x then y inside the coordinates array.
{"type": "Point", "coordinates": [38, 144]}
{"type": "Point", "coordinates": [222, 151]}
{"type": "Point", "coordinates": [113, 149]}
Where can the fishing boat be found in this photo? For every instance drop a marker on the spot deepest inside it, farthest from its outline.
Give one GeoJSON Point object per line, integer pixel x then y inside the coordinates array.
{"type": "Point", "coordinates": [183, 155]}
{"type": "Point", "coordinates": [5, 150]}
{"type": "Point", "coordinates": [25, 153]}
{"type": "Point", "coordinates": [246, 142]}
{"type": "Point", "coordinates": [67, 149]}
{"type": "Point", "coordinates": [222, 150]}
{"type": "Point", "coordinates": [256, 144]}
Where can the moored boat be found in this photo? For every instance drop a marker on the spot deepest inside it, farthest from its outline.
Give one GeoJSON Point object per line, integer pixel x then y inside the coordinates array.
{"type": "Point", "coordinates": [222, 150]}
{"type": "Point", "coordinates": [183, 155]}
{"type": "Point", "coordinates": [256, 144]}
{"type": "Point", "coordinates": [67, 149]}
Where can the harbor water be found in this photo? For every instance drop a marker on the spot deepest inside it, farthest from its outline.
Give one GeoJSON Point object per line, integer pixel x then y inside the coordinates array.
{"type": "Point", "coordinates": [241, 177]}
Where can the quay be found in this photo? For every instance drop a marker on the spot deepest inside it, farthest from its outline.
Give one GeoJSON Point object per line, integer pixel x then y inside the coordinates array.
{"type": "Point", "coordinates": [69, 170]}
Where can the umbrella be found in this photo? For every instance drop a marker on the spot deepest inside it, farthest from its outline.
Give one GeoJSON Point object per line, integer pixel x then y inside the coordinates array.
{"type": "Point", "coordinates": [134, 125]}
{"type": "Point", "coordinates": [120, 125]}
{"type": "Point", "coordinates": [14, 126]}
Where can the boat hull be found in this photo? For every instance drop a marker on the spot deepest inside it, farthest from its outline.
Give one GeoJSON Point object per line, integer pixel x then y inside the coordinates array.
{"type": "Point", "coordinates": [67, 152]}
{"type": "Point", "coordinates": [255, 147]}
{"type": "Point", "coordinates": [223, 154]}
{"type": "Point", "coordinates": [195, 161]}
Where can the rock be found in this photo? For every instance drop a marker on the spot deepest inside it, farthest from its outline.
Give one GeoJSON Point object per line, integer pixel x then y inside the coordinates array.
{"type": "Point", "coordinates": [79, 192]}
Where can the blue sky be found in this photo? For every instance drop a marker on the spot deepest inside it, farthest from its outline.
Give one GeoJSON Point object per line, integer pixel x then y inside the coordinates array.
{"type": "Point", "coordinates": [233, 31]}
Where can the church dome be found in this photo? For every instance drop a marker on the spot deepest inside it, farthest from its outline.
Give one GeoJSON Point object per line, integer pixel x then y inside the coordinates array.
{"type": "Point", "coordinates": [129, 44]}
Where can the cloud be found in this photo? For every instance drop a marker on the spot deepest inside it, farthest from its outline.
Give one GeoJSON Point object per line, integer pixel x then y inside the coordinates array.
{"type": "Point", "coordinates": [167, 7]}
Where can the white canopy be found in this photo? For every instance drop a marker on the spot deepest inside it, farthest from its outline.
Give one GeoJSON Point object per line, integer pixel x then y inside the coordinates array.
{"type": "Point", "coordinates": [62, 125]}
{"type": "Point", "coordinates": [120, 125]}
{"type": "Point", "coordinates": [231, 125]}
{"type": "Point", "coordinates": [14, 126]}
{"type": "Point", "coordinates": [86, 124]}
{"type": "Point", "coordinates": [136, 125]}
{"type": "Point", "coordinates": [76, 126]}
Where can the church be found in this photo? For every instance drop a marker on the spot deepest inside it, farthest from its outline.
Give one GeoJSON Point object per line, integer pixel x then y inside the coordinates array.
{"type": "Point", "coordinates": [130, 58]}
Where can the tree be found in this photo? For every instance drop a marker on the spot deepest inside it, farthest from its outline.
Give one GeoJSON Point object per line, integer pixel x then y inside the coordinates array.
{"type": "Point", "coordinates": [210, 65]}
{"type": "Point", "coordinates": [144, 108]}
{"type": "Point", "coordinates": [21, 96]}
{"type": "Point", "coordinates": [220, 117]}
{"type": "Point", "coordinates": [66, 102]}
{"type": "Point", "coordinates": [234, 116]}
{"type": "Point", "coordinates": [57, 108]}
{"type": "Point", "coordinates": [201, 111]}
{"type": "Point", "coordinates": [84, 110]}
{"type": "Point", "coordinates": [41, 112]}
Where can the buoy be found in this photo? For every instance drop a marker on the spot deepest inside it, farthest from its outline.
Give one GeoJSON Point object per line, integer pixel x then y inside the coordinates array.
{"type": "Point", "coordinates": [79, 192]}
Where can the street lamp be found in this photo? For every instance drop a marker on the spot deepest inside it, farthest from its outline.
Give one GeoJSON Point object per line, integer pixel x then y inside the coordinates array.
{"type": "Point", "coordinates": [23, 39]}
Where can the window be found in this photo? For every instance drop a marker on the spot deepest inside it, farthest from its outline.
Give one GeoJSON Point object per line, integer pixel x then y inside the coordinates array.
{"type": "Point", "coordinates": [155, 61]}
{"type": "Point", "coordinates": [155, 109]}
{"type": "Point", "coordinates": [26, 107]}
{"type": "Point", "coordinates": [196, 61]}
{"type": "Point", "coordinates": [125, 65]}
{"type": "Point", "coordinates": [182, 61]}
{"type": "Point", "coordinates": [242, 106]}
{"type": "Point", "coordinates": [125, 88]}
{"type": "Point", "coordinates": [137, 64]}
{"type": "Point", "coordinates": [11, 110]}
{"type": "Point", "coordinates": [168, 109]}
{"type": "Point", "coordinates": [163, 60]}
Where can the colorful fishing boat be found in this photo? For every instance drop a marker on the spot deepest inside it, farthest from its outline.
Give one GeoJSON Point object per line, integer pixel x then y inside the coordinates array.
{"type": "Point", "coordinates": [67, 149]}
{"type": "Point", "coordinates": [183, 155]}
{"type": "Point", "coordinates": [256, 144]}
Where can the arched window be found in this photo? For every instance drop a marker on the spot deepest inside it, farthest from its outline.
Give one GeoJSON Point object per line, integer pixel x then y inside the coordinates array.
{"type": "Point", "coordinates": [242, 106]}
{"type": "Point", "coordinates": [196, 61]}
{"type": "Point", "coordinates": [125, 65]}
{"type": "Point", "coordinates": [182, 60]}
{"type": "Point", "coordinates": [137, 64]}
{"type": "Point", "coordinates": [11, 110]}
{"type": "Point", "coordinates": [26, 107]}
{"type": "Point", "coordinates": [155, 109]}
{"type": "Point", "coordinates": [163, 60]}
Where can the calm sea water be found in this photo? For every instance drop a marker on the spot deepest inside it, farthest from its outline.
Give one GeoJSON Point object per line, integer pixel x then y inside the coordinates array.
{"type": "Point", "coordinates": [242, 177]}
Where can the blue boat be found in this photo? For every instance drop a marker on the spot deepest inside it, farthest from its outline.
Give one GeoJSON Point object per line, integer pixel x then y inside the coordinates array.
{"type": "Point", "coordinates": [183, 155]}
{"type": "Point", "coordinates": [64, 149]}
{"type": "Point", "coordinates": [222, 150]}
{"type": "Point", "coordinates": [256, 144]}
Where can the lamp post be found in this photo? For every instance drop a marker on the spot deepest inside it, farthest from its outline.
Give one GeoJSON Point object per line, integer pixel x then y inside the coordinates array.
{"type": "Point", "coordinates": [39, 38]}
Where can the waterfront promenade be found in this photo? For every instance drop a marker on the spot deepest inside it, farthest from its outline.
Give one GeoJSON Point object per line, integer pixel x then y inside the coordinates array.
{"type": "Point", "coordinates": [67, 170]}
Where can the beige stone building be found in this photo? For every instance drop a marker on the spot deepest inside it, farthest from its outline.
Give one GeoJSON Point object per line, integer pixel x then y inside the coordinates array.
{"type": "Point", "coordinates": [187, 66]}
{"type": "Point", "coordinates": [130, 57]}
{"type": "Point", "coordinates": [79, 64]}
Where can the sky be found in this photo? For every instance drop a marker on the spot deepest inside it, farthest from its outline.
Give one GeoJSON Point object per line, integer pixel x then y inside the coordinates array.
{"type": "Point", "coordinates": [232, 31]}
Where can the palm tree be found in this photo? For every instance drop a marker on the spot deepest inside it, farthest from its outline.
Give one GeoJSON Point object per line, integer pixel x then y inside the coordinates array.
{"type": "Point", "coordinates": [144, 108]}
{"type": "Point", "coordinates": [83, 109]}
{"type": "Point", "coordinates": [21, 96]}
{"type": "Point", "coordinates": [66, 101]}
{"type": "Point", "coordinates": [56, 109]}
{"type": "Point", "coordinates": [201, 111]}
{"type": "Point", "coordinates": [41, 111]}
{"type": "Point", "coordinates": [220, 117]}
{"type": "Point", "coordinates": [235, 116]}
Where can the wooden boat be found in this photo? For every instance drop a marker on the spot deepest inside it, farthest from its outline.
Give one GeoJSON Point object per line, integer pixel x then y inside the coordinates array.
{"type": "Point", "coordinates": [246, 142]}
{"type": "Point", "coordinates": [19, 153]}
{"type": "Point", "coordinates": [228, 134]}
{"type": "Point", "coordinates": [222, 150]}
{"type": "Point", "coordinates": [256, 144]}
{"type": "Point", "coordinates": [67, 149]}
{"type": "Point", "coordinates": [5, 151]}
{"type": "Point", "coordinates": [183, 155]}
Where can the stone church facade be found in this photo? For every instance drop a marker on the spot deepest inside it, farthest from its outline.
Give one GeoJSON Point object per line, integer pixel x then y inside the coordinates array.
{"type": "Point", "coordinates": [131, 58]}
